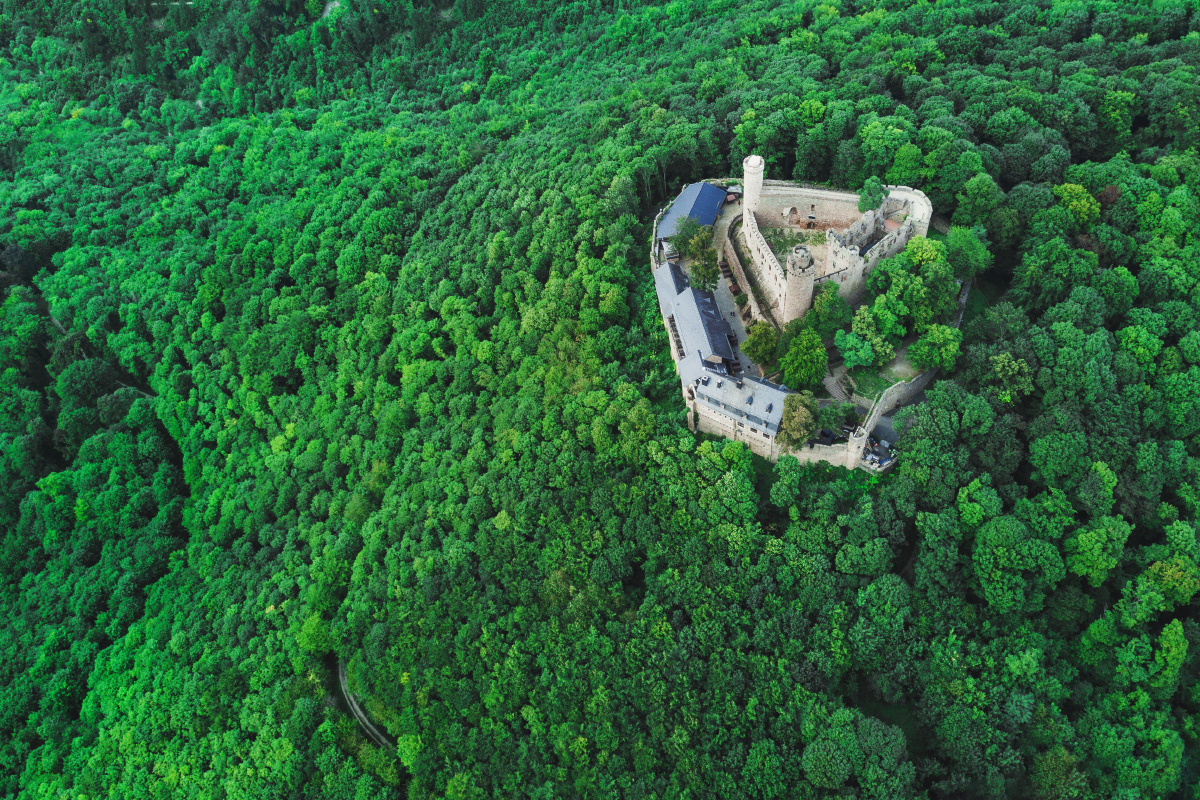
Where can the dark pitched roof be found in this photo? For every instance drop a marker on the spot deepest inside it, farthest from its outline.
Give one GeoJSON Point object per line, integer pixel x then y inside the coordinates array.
{"type": "Point", "coordinates": [700, 201]}
{"type": "Point", "coordinates": [681, 281]}
{"type": "Point", "coordinates": [697, 317]}
{"type": "Point", "coordinates": [716, 330]}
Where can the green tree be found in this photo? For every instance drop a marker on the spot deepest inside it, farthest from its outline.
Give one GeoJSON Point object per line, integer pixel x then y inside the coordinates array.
{"type": "Point", "coordinates": [978, 198]}
{"type": "Point", "coordinates": [1009, 377]}
{"type": "Point", "coordinates": [1093, 552]}
{"type": "Point", "coordinates": [1015, 569]}
{"type": "Point", "coordinates": [968, 256]}
{"type": "Point", "coordinates": [829, 313]}
{"type": "Point", "coordinates": [856, 351]}
{"type": "Point", "coordinates": [806, 361]}
{"type": "Point", "coordinates": [704, 272]}
{"type": "Point", "coordinates": [761, 343]}
{"type": "Point", "coordinates": [1083, 207]}
{"type": "Point", "coordinates": [799, 419]}
{"type": "Point", "coordinates": [937, 348]}
{"type": "Point", "coordinates": [871, 195]}
{"type": "Point", "coordinates": [908, 167]}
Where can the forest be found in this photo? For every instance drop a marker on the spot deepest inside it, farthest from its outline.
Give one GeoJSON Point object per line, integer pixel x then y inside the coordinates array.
{"type": "Point", "coordinates": [328, 338]}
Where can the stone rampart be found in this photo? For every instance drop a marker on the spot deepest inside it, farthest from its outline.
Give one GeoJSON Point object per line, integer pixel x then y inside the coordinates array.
{"type": "Point", "coordinates": [896, 395]}
{"type": "Point", "coordinates": [757, 279]}
{"type": "Point", "coordinates": [920, 209]}
{"type": "Point", "coordinates": [787, 204]}
{"type": "Point", "coordinates": [846, 454]}
{"type": "Point", "coordinates": [735, 264]}
{"type": "Point", "coordinates": [812, 453]}
{"type": "Point", "coordinates": [761, 253]}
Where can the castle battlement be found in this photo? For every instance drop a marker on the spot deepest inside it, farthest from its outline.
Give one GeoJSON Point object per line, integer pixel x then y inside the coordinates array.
{"type": "Point", "coordinates": [854, 245]}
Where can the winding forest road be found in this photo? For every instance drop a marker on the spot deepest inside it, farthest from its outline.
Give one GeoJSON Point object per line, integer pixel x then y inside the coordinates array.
{"type": "Point", "coordinates": [377, 736]}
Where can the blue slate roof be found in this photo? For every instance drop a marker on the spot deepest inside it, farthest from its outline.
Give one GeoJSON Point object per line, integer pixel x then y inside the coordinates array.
{"type": "Point", "coordinates": [704, 336]}
{"type": "Point", "coordinates": [700, 201]}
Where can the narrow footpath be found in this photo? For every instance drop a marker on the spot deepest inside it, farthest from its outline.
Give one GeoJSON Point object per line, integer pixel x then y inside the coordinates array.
{"type": "Point", "coordinates": [376, 735]}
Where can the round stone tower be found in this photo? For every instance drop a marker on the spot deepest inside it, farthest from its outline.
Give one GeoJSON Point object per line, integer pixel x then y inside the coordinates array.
{"type": "Point", "coordinates": [799, 286]}
{"type": "Point", "coordinates": [752, 177]}
{"type": "Point", "coordinates": [856, 447]}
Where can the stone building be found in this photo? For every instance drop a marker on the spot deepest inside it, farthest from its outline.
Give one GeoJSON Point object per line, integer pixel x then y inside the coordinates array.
{"type": "Point", "coordinates": [723, 399]}
{"type": "Point", "coordinates": [854, 243]}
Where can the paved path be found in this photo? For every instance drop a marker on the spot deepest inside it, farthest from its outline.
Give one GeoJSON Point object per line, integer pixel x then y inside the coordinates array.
{"type": "Point", "coordinates": [729, 309]}
{"type": "Point", "coordinates": [884, 430]}
{"type": "Point", "coordinates": [729, 212]}
{"type": "Point", "coordinates": [368, 727]}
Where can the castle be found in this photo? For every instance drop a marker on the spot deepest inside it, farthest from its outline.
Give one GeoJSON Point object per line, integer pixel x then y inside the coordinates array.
{"type": "Point", "coordinates": [723, 399]}
{"type": "Point", "coordinates": [853, 244]}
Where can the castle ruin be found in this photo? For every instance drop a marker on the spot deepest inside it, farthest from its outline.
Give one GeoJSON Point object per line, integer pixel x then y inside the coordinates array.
{"type": "Point", "coordinates": [854, 243]}
{"type": "Point", "coordinates": [722, 398]}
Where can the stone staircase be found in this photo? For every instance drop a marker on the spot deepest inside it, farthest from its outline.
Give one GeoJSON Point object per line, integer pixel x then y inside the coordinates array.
{"type": "Point", "coordinates": [836, 390]}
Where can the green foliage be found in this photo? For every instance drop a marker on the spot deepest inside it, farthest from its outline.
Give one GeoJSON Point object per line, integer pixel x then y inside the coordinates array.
{"type": "Point", "coordinates": [326, 335]}
{"type": "Point", "coordinates": [1083, 207]}
{"type": "Point", "coordinates": [968, 256]}
{"type": "Point", "coordinates": [871, 195]}
{"type": "Point", "coordinates": [978, 198]}
{"type": "Point", "coordinates": [830, 312]}
{"type": "Point", "coordinates": [937, 348]}
{"type": "Point", "coordinates": [856, 351]}
{"type": "Point", "coordinates": [805, 364]}
{"type": "Point", "coordinates": [761, 343]}
{"type": "Point", "coordinates": [799, 419]}
{"type": "Point", "coordinates": [704, 272]}
{"type": "Point", "coordinates": [1094, 552]}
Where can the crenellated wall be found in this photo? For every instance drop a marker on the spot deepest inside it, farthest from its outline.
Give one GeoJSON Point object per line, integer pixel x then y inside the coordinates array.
{"type": "Point", "coordinates": [762, 254]}
{"type": "Point", "coordinates": [855, 243]}
{"type": "Point", "coordinates": [739, 272]}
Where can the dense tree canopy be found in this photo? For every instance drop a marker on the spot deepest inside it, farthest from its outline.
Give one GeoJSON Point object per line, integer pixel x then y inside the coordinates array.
{"type": "Point", "coordinates": [328, 336]}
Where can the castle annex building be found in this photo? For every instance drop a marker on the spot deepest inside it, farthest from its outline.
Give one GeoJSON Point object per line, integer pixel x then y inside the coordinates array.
{"type": "Point", "coordinates": [725, 400]}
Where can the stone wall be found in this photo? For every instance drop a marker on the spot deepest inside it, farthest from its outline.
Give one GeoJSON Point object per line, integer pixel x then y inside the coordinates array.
{"type": "Point", "coordinates": [762, 255]}
{"type": "Point", "coordinates": [757, 313]}
{"type": "Point", "coordinates": [709, 420]}
{"type": "Point", "coordinates": [891, 244]}
{"type": "Point", "coordinates": [759, 278]}
{"type": "Point", "coordinates": [920, 210]}
{"type": "Point", "coordinates": [810, 454]}
{"type": "Point", "coordinates": [784, 203]}
{"type": "Point", "coordinates": [896, 395]}
{"type": "Point", "coordinates": [847, 454]}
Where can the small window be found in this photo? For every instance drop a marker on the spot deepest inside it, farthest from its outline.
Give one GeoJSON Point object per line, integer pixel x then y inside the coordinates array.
{"type": "Point", "coordinates": [754, 430]}
{"type": "Point", "coordinates": [766, 436]}
{"type": "Point", "coordinates": [741, 424]}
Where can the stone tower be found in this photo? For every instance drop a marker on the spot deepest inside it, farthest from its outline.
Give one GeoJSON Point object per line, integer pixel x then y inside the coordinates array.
{"type": "Point", "coordinates": [752, 177]}
{"type": "Point", "coordinates": [798, 291]}
{"type": "Point", "coordinates": [856, 447]}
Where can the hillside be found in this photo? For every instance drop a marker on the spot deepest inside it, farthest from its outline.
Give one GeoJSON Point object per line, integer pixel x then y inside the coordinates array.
{"type": "Point", "coordinates": [328, 334]}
